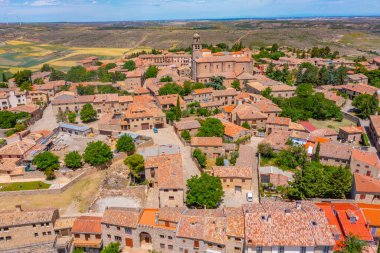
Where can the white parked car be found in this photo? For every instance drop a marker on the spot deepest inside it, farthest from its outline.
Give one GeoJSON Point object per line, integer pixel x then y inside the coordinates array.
{"type": "Point", "coordinates": [249, 196]}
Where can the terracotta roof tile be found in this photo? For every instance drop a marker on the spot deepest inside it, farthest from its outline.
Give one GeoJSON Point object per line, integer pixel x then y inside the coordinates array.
{"type": "Point", "coordinates": [87, 225]}
{"type": "Point", "coordinates": [125, 217]}
{"type": "Point", "coordinates": [232, 172]}
{"type": "Point", "coordinates": [366, 184]}
{"type": "Point", "coordinates": [206, 141]}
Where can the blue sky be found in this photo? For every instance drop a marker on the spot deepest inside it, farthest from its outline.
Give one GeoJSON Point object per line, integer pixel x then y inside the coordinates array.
{"type": "Point", "coordinates": [117, 10]}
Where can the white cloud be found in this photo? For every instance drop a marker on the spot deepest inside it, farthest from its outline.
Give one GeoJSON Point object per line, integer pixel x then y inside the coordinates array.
{"type": "Point", "coordinates": [44, 3]}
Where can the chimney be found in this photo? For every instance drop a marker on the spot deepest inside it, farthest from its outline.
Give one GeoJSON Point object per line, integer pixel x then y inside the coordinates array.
{"type": "Point", "coordinates": [156, 218]}
{"type": "Point", "coordinates": [298, 205]}
{"type": "Point", "coordinates": [287, 211]}
{"type": "Point", "coordinates": [18, 208]}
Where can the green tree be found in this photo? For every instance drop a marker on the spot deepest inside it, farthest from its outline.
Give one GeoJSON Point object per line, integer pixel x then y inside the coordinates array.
{"type": "Point", "coordinates": [166, 79]}
{"type": "Point", "coordinates": [26, 86]}
{"type": "Point", "coordinates": [73, 160]}
{"type": "Point", "coordinates": [49, 173]}
{"type": "Point", "coordinates": [201, 158]}
{"type": "Point", "coordinates": [78, 74]}
{"type": "Point", "coordinates": [151, 72]}
{"type": "Point", "coordinates": [236, 85]}
{"type": "Point", "coordinates": [135, 163]}
{"type": "Point", "coordinates": [304, 90]}
{"type": "Point", "coordinates": [352, 244]}
{"type": "Point", "coordinates": [316, 154]}
{"type": "Point", "coordinates": [39, 81]}
{"type": "Point", "coordinates": [211, 127]}
{"type": "Point", "coordinates": [267, 93]}
{"type": "Point", "coordinates": [72, 116]}
{"type": "Point", "coordinates": [246, 125]}
{"type": "Point", "coordinates": [234, 157]}
{"type": "Point", "coordinates": [292, 158]}
{"type": "Point", "coordinates": [23, 76]}
{"type": "Point", "coordinates": [219, 161]}
{"type": "Point", "coordinates": [366, 104]}
{"type": "Point", "coordinates": [57, 75]}
{"type": "Point", "coordinates": [204, 191]}
{"type": "Point", "coordinates": [126, 144]}
{"type": "Point", "coordinates": [186, 135]}
{"type": "Point", "coordinates": [216, 82]}
{"type": "Point", "coordinates": [46, 160]}
{"type": "Point", "coordinates": [97, 153]}
{"type": "Point", "coordinates": [113, 247]}
{"type": "Point", "coordinates": [88, 113]}
{"type": "Point", "coordinates": [318, 181]}
{"type": "Point", "coordinates": [78, 250]}
{"type": "Point", "coordinates": [265, 149]}
{"type": "Point", "coordinates": [9, 119]}
{"type": "Point", "coordinates": [130, 65]}
{"type": "Point", "coordinates": [46, 68]}
{"type": "Point", "coordinates": [170, 88]}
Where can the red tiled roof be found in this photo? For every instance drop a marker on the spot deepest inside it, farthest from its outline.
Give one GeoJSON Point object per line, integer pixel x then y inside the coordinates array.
{"type": "Point", "coordinates": [366, 184]}
{"type": "Point", "coordinates": [87, 225]}
{"type": "Point", "coordinates": [307, 125]}
{"type": "Point", "coordinates": [206, 141]}
{"type": "Point", "coordinates": [358, 228]}
{"type": "Point", "coordinates": [370, 158]}
{"type": "Point", "coordinates": [371, 213]}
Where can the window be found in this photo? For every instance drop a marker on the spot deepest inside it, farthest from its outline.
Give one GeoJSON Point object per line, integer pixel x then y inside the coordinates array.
{"type": "Point", "coordinates": [43, 233]}
{"type": "Point", "coordinates": [5, 229]}
{"type": "Point", "coordinates": [171, 197]}
{"type": "Point", "coordinates": [170, 237]}
{"type": "Point", "coordinates": [303, 250]}
{"type": "Point", "coordinates": [170, 247]}
{"type": "Point", "coordinates": [117, 238]}
{"type": "Point", "coordinates": [162, 236]}
{"type": "Point", "coordinates": [118, 228]}
{"type": "Point", "coordinates": [34, 225]}
{"type": "Point", "coordinates": [128, 231]}
{"type": "Point", "coordinates": [108, 226]}
{"type": "Point", "coordinates": [237, 249]}
{"type": "Point", "coordinates": [325, 249]}
{"type": "Point", "coordinates": [49, 232]}
{"type": "Point", "coordinates": [281, 249]}
{"type": "Point", "coordinates": [162, 246]}
{"type": "Point", "coordinates": [35, 234]}
{"type": "Point", "coordinates": [77, 236]}
{"type": "Point", "coordinates": [362, 196]}
{"type": "Point", "coordinates": [109, 236]}
{"type": "Point", "coordinates": [7, 238]}
{"type": "Point", "coordinates": [196, 244]}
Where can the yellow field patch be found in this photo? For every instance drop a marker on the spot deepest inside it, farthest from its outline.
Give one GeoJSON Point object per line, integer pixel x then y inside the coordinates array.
{"type": "Point", "coordinates": [2, 51]}
{"type": "Point", "coordinates": [18, 42]}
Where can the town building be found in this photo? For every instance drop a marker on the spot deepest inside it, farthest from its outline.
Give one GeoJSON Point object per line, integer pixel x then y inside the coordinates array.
{"type": "Point", "coordinates": [350, 134]}
{"type": "Point", "coordinates": [374, 130]}
{"type": "Point", "coordinates": [250, 114]}
{"type": "Point", "coordinates": [276, 124]}
{"type": "Point", "coordinates": [133, 79]}
{"type": "Point", "coordinates": [119, 225]}
{"type": "Point", "coordinates": [166, 59]}
{"type": "Point", "coordinates": [226, 97]}
{"type": "Point", "coordinates": [365, 163]}
{"type": "Point", "coordinates": [335, 154]}
{"type": "Point", "coordinates": [357, 78]}
{"type": "Point", "coordinates": [275, 176]}
{"type": "Point", "coordinates": [89, 62]}
{"type": "Point", "coordinates": [143, 116]}
{"type": "Point", "coordinates": [211, 146]}
{"type": "Point", "coordinates": [235, 132]}
{"type": "Point", "coordinates": [277, 90]}
{"type": "Point", "coordinates": [372, 215]}
{"type": "Point", "coordinates": [352, 90]}
{"type": "Point", "coordinates": [28, 230]}
{"type": "Point", "coordinates": [229, 65]}
{"type": "Point", "coordinates": [234, 178]}
{"type": "Point", "coordinates": [168, 101]}
{"type": "Point", "coordinates": [191, 125]}
{"type": "Point", "coordinates": [366, 189]}
{"type": "Point", "coordinates": [166, 173]}
{"type": "Point", "coordinates": [274, 226]}
{"type": "Point", "coordinates": [87, 233]}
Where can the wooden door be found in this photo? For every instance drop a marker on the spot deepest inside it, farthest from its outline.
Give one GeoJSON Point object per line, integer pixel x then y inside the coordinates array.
{"type": "Point", "coordinates": [128, 242]}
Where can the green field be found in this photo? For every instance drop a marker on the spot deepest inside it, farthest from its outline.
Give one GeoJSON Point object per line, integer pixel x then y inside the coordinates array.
{"type": "Point", "coordinates": [23, 186]}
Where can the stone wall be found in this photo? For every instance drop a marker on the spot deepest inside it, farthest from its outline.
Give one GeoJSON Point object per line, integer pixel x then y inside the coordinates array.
{"type": "Point", "coordinates": [45, 191]}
